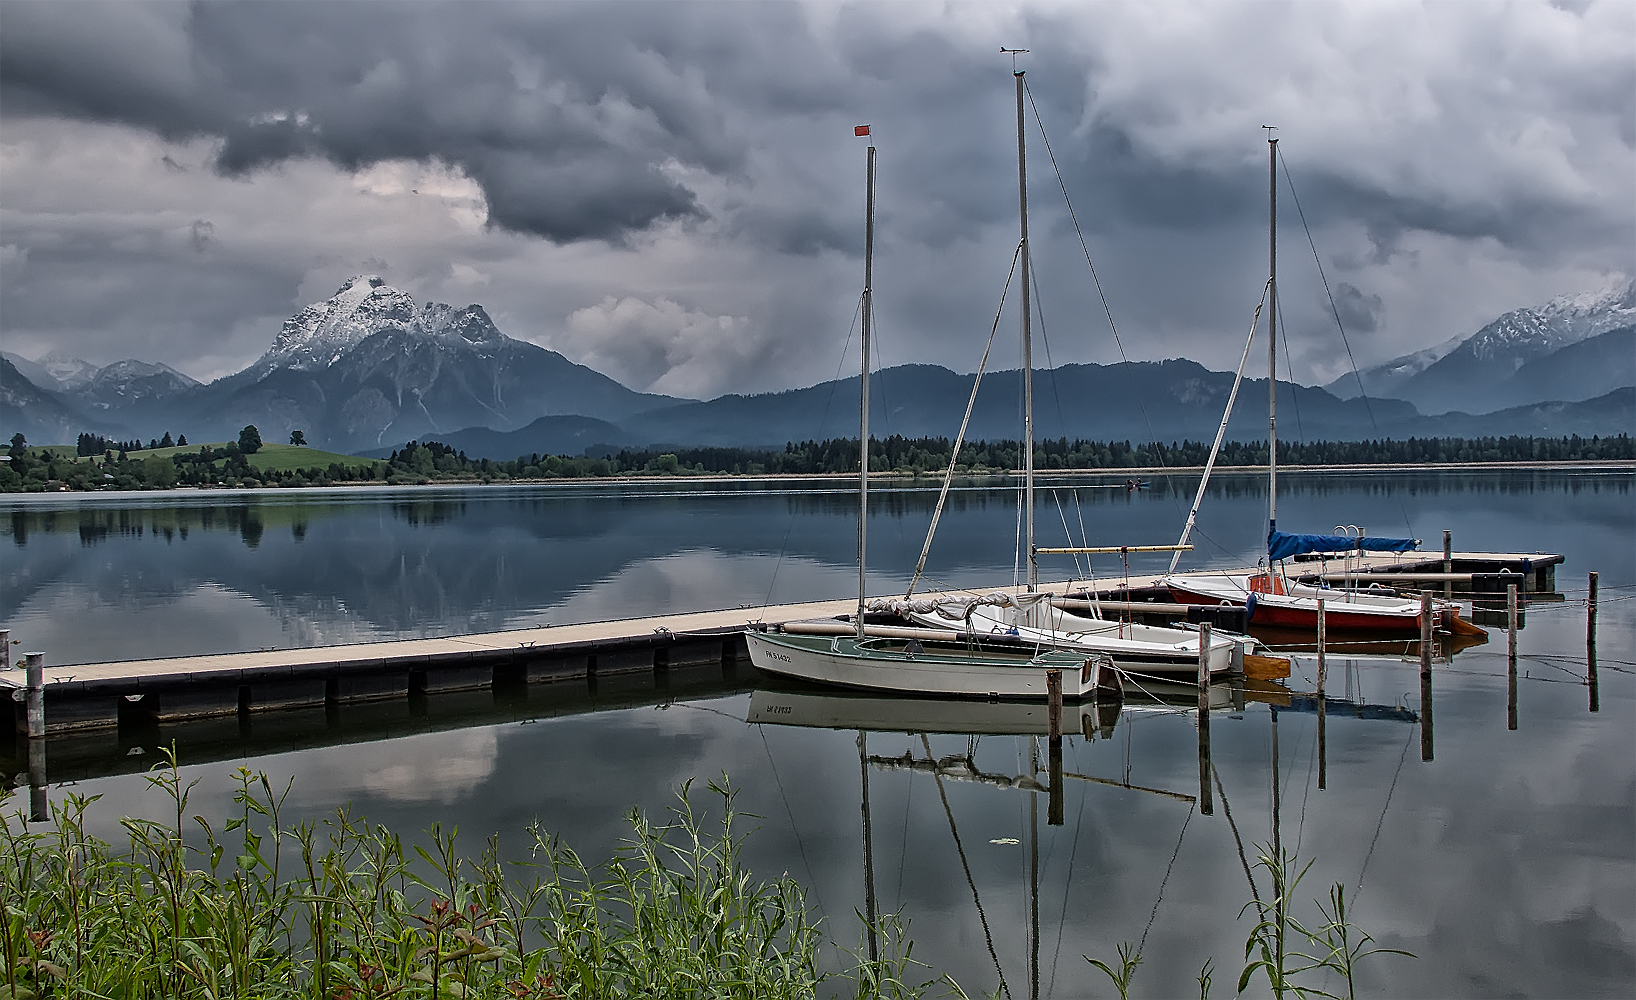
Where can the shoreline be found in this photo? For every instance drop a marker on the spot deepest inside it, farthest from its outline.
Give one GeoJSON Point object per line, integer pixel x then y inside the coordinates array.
{"type": "Point", "coordinates": [884, 478]}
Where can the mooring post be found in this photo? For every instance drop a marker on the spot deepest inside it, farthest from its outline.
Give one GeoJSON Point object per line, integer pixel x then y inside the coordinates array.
{"type": "Point", "coordinates": [1511, 655]}
{"type": "Point", "coordinates": [1053, 698]}
{"type": "Point", "coordinates": [1590, 613]}
{"type": "Point", "coordinates": [5, 649]}
{"type": "Point", "coordinates": [1425, 633]}
{"type": "Point", "coordinates": [1448, 564]}
{"type": "Point", "coordinates": [1206, 805]}
{"type": "Point", "coordinates": [34, 663]}
{"type": "Point", "coordinates": [1425, 676]}
{"type": "Point", "coordinates": [1323, 675]}
{"type": "Point", "coordinates": [1590, 647]}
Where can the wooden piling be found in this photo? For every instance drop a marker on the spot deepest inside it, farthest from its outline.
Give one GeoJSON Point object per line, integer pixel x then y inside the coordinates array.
{"type": "Point", "coordinates": [1053, 699]}
{"type": "Point", "coordinates": [34, 663]}
{"type": "Point", "coordinates": [1426, 676]}
{"type": "Point", "coordinates": [1511, 656]}
{"type": "Point", "coordinates": [1590, 613]}
{"type": "Point", "coordinates": [1206, 805]}
{"type": "Point", "coordinates": [1323, 673]}
{"type": "Point", "coordinates": [1425, 633]}
{"type": "Point", "coordinates": [5, 649]}
{"type": "Point", "coordinates": [1590, 647]}
{"type": "Point", "coordinates": [1448, 564]}
{"type": "Point", "coordinates": [1053, 702]}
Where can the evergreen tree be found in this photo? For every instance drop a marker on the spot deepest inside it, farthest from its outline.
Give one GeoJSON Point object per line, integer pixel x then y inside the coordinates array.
{"type": "Point", "coordinates": [166, 442]}
{"type": "Point", "coordinates": [181, 442]}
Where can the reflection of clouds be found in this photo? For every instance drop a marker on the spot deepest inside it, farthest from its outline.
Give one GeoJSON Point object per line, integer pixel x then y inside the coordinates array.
{"type": "Point", "coordinates": [440, 768]}
{"type": "Point", "coordinates": [703, 580]}
{"type": "Point", "coordinates": [207, 618]}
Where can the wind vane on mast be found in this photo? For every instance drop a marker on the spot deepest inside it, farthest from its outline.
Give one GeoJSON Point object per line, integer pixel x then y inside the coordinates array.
{"type": "Point", "coordinates": [1013, 53]}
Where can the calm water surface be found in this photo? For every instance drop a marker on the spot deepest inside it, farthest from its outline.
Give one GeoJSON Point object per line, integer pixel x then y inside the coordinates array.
{"type": "Point", "coordinates": [1507, 862]}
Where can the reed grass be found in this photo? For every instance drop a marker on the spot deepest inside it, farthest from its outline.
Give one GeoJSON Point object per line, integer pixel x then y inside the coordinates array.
{"type": "Point", "coordinates": [263, 907]}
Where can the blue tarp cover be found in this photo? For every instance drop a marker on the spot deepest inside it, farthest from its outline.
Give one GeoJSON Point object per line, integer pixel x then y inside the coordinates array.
{"type": "Point", "coordinates": [1282, 544]}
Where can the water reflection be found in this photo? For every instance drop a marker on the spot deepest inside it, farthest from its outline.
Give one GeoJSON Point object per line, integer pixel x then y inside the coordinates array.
{"type": "Point", "coordinates": [328, 566]}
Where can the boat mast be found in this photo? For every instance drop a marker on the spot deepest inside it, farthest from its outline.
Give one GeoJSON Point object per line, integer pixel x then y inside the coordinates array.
{"type": "Point", "coordinates": [863, 395]}
{"type": "Point", "coordinates": [1272, 338]}
{"type": "Point", "coordinates": [1027, 342]}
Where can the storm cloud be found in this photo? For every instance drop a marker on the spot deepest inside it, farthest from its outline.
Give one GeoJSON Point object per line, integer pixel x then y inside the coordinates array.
{"type": "Point", "coordinates": [671, 192]}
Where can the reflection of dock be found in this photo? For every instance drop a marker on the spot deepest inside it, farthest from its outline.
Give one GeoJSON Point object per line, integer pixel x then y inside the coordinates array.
{"type": "Point", "coordinates": [95, 753]}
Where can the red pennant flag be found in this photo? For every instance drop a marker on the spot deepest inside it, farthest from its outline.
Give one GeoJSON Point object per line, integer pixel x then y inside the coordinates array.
{"type": "Point", "coordinates": [860, 130]}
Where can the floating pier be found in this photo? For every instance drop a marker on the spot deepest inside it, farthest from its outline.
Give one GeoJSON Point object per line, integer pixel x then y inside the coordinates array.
{"type": "Point", "coordinates": [138, 695]}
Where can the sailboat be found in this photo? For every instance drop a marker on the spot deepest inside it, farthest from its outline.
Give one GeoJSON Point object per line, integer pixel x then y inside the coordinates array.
{"type": "Point", "coordinates": [1268, 596]}
{"type": "Point", "coordinates": [917, 660]}
{"type": "Point", "coordinates": [1141, 650]}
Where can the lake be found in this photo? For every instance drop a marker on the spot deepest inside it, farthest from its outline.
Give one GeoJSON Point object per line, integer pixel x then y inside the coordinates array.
{"type": "Point", "coordinates": [1506, 862]}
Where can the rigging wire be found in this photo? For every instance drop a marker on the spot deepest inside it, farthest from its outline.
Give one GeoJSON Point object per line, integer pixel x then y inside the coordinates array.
{"type": "Point", "coordinates": [965, 421]}
{"type": "Point", "coordinates": [987, 934]}
{"type": "Point", "coordinates": [1168, 869]}
{"type": "Point", "coordinates": [1363, 394]}
{"type": "Point", "coordinates": [1153, 435]}
{"type": "Point", "coordinates": [828, 402]}
{"type": "Point", "coordinates": [1289, 366]}
{"type": "Point", "coordinates": [1384, 806]}
{"type": "Point", "coordinates": [791, 814]}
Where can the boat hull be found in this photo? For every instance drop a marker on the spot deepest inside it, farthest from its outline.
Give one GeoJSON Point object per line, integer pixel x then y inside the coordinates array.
{"type": "Point", "coordinates": [1343, 611]}
{"type": "Point", "coordinates": [1135, 649]}
{"type": "Point", "coordinates": [887, 665]}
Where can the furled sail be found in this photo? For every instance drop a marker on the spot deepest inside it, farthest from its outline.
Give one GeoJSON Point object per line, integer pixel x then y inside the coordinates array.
{"type": "Point", "coordinates": [1283, 544]}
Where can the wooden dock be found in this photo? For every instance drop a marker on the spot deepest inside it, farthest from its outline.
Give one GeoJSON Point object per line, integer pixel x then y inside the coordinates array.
{"type": "Point", "coordinates": [139, 694]}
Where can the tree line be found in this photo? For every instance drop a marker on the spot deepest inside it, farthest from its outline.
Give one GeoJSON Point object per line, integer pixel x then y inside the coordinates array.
{"type": "Point", "coordinates": [421, 462]}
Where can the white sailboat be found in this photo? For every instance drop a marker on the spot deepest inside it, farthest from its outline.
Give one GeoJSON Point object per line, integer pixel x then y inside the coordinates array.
{"type": "Point", "coordinates": [920, 661]}
{"type": "Point", "coordinates": [1031, 616]}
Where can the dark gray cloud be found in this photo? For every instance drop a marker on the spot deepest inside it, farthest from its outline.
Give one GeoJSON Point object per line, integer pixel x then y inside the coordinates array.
{"type": "Point", "coordinates": [189, 174]}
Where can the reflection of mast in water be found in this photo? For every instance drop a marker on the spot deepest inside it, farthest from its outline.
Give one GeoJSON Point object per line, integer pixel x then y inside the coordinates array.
{"type": "Point", "coordinates": [868, 850]}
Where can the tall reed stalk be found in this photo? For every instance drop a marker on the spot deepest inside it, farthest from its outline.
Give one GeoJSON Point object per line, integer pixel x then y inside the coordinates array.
{"type": "Point", "coordinates": [341, 910]}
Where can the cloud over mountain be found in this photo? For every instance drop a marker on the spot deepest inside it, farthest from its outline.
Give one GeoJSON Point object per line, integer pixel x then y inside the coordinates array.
{"type": "Point", "coordinates": [182, 177]}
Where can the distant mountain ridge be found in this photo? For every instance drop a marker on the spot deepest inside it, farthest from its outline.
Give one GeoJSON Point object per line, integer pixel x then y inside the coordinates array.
{"type": "Point", "coordinates": [369, 368]}
{"type": "Point", "coordinates": [1464, 376]}
{"type": "Point", "coordinates": [363, 369]}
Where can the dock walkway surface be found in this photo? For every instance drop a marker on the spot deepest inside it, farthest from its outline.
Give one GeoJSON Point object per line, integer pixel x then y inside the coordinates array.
{"type": "Point", "coordinates": [137, 692]}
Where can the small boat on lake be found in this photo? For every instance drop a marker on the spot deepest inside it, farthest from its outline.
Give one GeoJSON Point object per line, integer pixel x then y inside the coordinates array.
{"type": "Point", "coordinates": [1267, 595]}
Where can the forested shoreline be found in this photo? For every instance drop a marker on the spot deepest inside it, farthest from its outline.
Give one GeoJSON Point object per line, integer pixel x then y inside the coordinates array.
{"type": "Point", "coordinates": [236, 465]}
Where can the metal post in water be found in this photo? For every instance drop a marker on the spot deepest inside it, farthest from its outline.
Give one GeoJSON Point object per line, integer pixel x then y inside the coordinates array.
{"type": "Point", "coordinates": [1323, 675]}
{"type": "Point", "coordinates": [1590, 646]}
{"type": "Point", "coordinates": [1425, 675]}
{"type": "Point", "coordinates": [1206, 803]}
{"type": "Point", "coordinates": [1511, 656]}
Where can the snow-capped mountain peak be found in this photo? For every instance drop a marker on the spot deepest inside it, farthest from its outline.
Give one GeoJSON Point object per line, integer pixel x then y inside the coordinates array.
{"type": "Point", "coordinates": [318, 335]}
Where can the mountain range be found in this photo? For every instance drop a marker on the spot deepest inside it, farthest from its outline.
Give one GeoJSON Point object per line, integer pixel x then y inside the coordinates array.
{"type": "Point", "coordinates": [370, 368]}
{"type": "Point", "coordinates": [1489, 369]}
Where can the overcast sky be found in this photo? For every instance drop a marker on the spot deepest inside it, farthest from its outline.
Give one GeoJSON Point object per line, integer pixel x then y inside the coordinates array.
{"type": "Point", "coordinates": [672, 193]}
